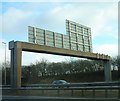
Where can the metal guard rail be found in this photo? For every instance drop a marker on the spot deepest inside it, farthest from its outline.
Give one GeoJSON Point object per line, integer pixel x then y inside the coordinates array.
{"type": "Point", "coordinates": [74, 84]}
{"type": "Point", "coordinates": [92, 88]}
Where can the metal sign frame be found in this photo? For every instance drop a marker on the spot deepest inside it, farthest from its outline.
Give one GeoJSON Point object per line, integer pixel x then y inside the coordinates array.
{"type": "Point", "coordinates": [78, 37]}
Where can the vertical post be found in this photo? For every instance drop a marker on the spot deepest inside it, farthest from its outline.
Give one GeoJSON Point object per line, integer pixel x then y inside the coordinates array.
{"type": "Point", "coordinates": [54, 39]}
{"type": "Point", "coordinates": [12, 76]}
{"type": "Point", "coordinates": [58, 92]}
{"type": "Point", "coordinates": [106, 93]}
{"type": "Point", "coordinates": [45, 38]}
{"type": "Point", "coordinates": [93, 93]}
{"type": "Point", "coordinates": [83, 39]}
{"type": "Point", "coordinates": [107, 70]}
{"type": "Point", "coordinates": [72, 92]}
{"type": "Point", "coordinates": [5, 64]}
{"type": "Point", "coordinates": [12, 69]}
{"type": "Point", "coordinates": [17, 64]}
{"type": "Point", "coordinates": [43, 92]}
{"type": "Point", "coordinates": [69, 30]}
{"type": "Point", "coordinates": [34, 32]}
{"type": "Point", "coordinates": [77, 45]}
{"type": "Point", "coordinates": [82, 93]}
{"type": "Point", "coordinates": [62, 41]}
{"type": "Point", "coordinates": [16, 54]}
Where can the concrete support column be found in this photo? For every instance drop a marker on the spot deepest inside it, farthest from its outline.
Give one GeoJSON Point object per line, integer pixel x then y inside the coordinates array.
{"type": "Point", "coordinates": [16, 54]}
{"type": "Point", "coordinates": [12, 69]}
{"type": "Point", "coordinates": [107, 71]}
{"type": "Point", "coordinates": [17, 64]}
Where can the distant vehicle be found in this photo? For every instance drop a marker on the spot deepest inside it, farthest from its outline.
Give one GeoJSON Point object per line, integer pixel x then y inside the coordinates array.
{"type": "Point", "coordinates": [61, 83]}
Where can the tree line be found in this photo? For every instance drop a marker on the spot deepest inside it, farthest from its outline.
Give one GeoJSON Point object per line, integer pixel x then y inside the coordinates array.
{"type": "Point", "coordinates": [45, 68]}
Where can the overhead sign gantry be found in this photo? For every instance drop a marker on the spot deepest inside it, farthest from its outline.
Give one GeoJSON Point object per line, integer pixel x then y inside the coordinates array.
{"type": "Point", "coordinates": [76, 43]}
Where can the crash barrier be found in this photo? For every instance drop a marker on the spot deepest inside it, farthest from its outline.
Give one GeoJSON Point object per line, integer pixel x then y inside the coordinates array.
{"type": "Point", "coordinates": [109, 90]}
{"type": "Point", "coordinates": [39, 98]}
{"type": "Point", "coordinates": [116, 83]}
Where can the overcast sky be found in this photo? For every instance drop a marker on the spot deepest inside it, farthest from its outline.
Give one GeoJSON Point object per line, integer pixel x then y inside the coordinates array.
{"type": "Point", "coordinates": [101, 17]}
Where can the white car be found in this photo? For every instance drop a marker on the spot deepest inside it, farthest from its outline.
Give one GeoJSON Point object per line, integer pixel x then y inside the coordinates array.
{"type": "Point", "coordinates": [61, 83]}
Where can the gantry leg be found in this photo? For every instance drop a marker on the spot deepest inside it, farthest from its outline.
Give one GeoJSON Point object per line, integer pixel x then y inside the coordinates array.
{"type": "Point", "coordinates": [107, 71]}
{"type": "Point", "coordinates": [16, 55]}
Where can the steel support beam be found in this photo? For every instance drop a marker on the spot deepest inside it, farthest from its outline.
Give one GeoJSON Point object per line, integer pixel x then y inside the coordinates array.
{"type": "Point", "coordinates": [16, 58]}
